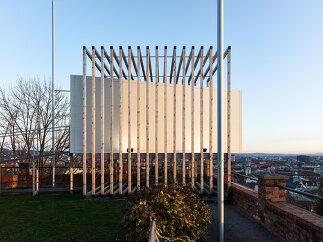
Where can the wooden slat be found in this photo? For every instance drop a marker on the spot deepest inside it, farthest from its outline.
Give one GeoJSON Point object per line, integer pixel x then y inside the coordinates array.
{"type": "Point", "coordinates": [192, 118]}
{"type": "Point", "coordinates": [211, 123]}
{"type": "Point", "coordinates": [93, 120]}
{"type": "Point", "coordinates": [147, 116]}
{"type": "Point", "coordinates": [111, 125]}
{"type": "Point", "coordinates": [84, 122]}
{"type": "Point", "coordinates": [229, 115]}
{"type": "Point", "coordinates": [120, 123]}
{"type": "Point", "coordinates": [201, 124]}
{"type": "Point", "coordinates": [71, 174]}
{"type": "Point", "coordinates": [138, 118]}
{"type": "Point", "coordinates": [184, 103]}
{"type": "Point", "coordinates": [129, 119]}
{"type": "Point", "coordinates": [102, 120]}
{"type": "Point", "coordinates": [156, 117]}
{"type": "Point", "coordinates": [165, 115]}
{"type": "Point", "coordinates": [174, 124]}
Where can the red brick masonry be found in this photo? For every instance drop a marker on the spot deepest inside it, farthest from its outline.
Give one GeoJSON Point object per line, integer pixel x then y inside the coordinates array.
{"type": "Point", "coordinates": [268, 206]}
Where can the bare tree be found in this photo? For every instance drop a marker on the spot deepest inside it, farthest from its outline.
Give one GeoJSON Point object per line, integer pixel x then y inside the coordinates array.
{"type": "Point", "coordinates": [26, 108]}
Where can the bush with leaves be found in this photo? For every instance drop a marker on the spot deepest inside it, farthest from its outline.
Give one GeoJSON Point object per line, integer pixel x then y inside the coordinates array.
{"type": "Point", "coordinates": [174, 208]}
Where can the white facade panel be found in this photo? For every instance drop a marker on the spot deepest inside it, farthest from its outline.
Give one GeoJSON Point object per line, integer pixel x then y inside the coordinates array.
{"type": "Point", "coordinates": [77, 114]}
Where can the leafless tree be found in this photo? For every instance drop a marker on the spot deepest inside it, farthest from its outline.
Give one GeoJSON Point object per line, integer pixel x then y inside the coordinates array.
{"type": "Point", "coordinates": [26, 108]}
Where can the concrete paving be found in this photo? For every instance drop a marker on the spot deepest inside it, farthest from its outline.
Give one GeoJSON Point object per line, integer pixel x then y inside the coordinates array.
{"type": "Point", "coordinates": [238, 227]}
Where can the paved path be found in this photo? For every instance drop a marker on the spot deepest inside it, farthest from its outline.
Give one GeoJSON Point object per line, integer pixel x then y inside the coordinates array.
{"type": "Point", "coordinates": [238, 227]}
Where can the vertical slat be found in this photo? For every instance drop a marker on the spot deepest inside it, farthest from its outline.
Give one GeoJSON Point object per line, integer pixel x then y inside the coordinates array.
{"type": "Point", "coordinates": [184, 103]}
{"type": "Point", "coordinates": [192, 118]}
{"type": "Point", "coordinates": [102, 120]}
{"type": "Point", "coordinates": [129, 120]}
{"type": "Point", "coordinates": [112, 120]}
{"type": "Point", "coordinates": [138, 119]}
{"type": "Point", "coordinates": [84, 121]}
{"type": "Point", "coordinates": [229, 115]}
{"type": "Point", "coordinates": [120, 123]}
{"type": "Point", "coordinates": [211, 121]}
{"type": "Point", "coordinates": [174, 124]}
{"type": "Point", "coordinates": [165, 115]}
{"type": "Point", "coordinates": [34, 187]}
{"type": "Point", "coordinates": [37, 178]}
{"type": "Point", "coordinates": [147, 116]}
{"type": "Point", "coordinates": [71, 174]}
{"type": "Point", "coordinates": [201, 123]}
{"type": "Point", "coordinates": [156, 117]}
{"type": "Point", "coordinates": [93, 120]}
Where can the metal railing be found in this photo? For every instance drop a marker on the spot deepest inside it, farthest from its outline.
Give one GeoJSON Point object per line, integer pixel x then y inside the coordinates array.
{"type": "Point", "coordinates": [155, 236]}
{"type": "Point", "coordinates": [283, 187]}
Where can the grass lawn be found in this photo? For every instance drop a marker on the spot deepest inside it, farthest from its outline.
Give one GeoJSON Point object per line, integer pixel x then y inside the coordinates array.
{"type": "Point", "coordinates": [59, 217]}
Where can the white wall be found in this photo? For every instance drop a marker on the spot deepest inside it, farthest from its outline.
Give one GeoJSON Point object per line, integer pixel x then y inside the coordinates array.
{"type": "Point", "coordinates": [77, 112]}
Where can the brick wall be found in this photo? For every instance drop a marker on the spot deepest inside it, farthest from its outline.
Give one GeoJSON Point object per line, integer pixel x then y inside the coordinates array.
{"type": "Point", "coordinates": [268, 206]}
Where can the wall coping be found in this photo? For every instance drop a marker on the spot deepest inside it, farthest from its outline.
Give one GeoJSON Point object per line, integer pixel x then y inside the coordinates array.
{"type": "Point", "coordinates": [244, 189]}
{"type": "Point", "coordinates": [311, 219]}
{"type": "Point", "coordinates": [272, 176]}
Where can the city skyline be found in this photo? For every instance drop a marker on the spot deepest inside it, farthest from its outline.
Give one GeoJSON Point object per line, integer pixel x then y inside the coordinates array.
{"type": "Point", "coordinates": [275, 60]}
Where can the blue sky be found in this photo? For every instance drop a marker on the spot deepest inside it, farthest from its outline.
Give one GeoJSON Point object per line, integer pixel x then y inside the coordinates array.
{"type": "Point", "coordinates": [277, 53]}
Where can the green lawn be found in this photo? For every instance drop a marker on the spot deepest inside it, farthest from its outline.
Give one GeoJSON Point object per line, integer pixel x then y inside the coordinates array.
{"type": "Point", "coordinates": [59, 217]}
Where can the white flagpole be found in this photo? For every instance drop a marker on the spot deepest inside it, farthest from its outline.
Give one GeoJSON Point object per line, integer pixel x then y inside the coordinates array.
{"type": "Point", "coordinates": [53, 91]}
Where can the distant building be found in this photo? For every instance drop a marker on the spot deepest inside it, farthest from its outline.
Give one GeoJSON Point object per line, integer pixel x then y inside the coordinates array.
{"type": "Point", "coordinates": [303, 158]}
{"type": "Point", "coordinates": [248, 168]}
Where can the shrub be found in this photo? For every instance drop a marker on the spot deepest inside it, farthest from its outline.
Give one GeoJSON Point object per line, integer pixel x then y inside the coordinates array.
{"type": "Point", "coordinates": [174, 208]}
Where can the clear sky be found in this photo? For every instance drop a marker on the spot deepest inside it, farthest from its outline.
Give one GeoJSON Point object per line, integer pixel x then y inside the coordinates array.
{"type": "Point", "coordinates": [277, 53]}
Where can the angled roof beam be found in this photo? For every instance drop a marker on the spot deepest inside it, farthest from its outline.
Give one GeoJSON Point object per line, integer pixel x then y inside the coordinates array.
{"type": "Point", "coordinates": [96, 64]}
{"type": "Point", "coordinates": [99, 57]}
{"type": "Point", "coordinates": [134, 62]}
{"type": "Point", "coordinates": [126, 62]}
{"type": "Point", "coordinates": [188, 62]}
{"type": "Point", "coordinates": [150, 69]}
{"type": "Point", "coordinates": [180, 64]}
{"type": "Point", "coordinates": [117, 61]}
{"type": "Point", "coordinates": [142, 64]}
{"type": "Point", "coordinates": [195, 64]}
{"type": "Point", "coordinates": [108, 58]}
{"type": "Point", "coordinates": [171, 68]}
{"type": "Point", "coordinates": [216, 67]}
{"type": "Point", "coordinates": [204, 62]}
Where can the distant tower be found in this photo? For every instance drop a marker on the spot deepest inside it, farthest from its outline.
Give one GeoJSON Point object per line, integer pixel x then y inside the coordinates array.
{"type": "Point", "coordinates": [295, 177]}
{"type": "Point", "coordinates": [233, 158]}
{"type": "Point", "coordinates": [247, 169]}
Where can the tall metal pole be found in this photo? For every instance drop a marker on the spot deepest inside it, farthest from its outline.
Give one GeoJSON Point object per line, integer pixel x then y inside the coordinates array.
{"type": "Point", "coordinates": [220, 91]}
{"type": "Point", "coordinates": [53, 91]}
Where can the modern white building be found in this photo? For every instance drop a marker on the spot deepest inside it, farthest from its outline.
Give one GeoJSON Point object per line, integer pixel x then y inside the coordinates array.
{"type": "Point", "coordinates": [137, 117]}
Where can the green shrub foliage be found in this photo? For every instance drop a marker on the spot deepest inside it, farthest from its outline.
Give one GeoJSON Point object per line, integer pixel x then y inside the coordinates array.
{"type": "Point", "coordinates": [175, 209]}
